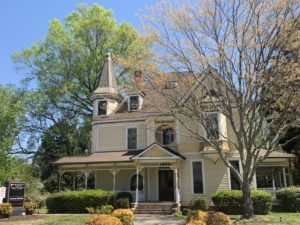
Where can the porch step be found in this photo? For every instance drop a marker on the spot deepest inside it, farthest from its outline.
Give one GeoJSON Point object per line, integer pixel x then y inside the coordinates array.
{"type": "Point", "coordinates": [165, 208]}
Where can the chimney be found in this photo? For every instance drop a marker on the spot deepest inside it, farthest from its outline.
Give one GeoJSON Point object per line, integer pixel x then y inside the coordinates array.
{"type": "Point", "coordinates": [138, 79]}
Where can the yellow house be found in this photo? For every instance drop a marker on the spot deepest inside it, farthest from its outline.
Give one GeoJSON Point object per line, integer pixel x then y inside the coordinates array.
{"type": "Point", "coordinates": [147, 152]}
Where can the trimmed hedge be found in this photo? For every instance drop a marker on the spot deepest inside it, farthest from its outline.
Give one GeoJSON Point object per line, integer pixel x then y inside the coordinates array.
{"type": "Point", "coordinates": [231, 201]}
{"type": "Point", "coordinates": [78, 201]}
{"type": "Point", "coordinates": [289, 199]}
{"type": "Point", "coordinates": [125, 194]}
{"type": "Point", "coordinates": [122, 203]}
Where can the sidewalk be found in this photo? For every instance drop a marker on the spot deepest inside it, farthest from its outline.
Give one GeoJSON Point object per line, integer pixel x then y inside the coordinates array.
{"type": "Point", "coordinates": [145, 219]}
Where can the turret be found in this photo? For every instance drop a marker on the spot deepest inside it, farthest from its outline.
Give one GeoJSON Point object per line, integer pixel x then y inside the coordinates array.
{"type": "Point", "coordinates": [106, 96]}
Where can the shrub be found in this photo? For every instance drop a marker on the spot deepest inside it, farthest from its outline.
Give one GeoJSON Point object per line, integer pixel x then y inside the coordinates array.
{"type": "Point", "coordinates": [196, 216]}
{"type": "Point", "coordinates": [218, 218]}
{"type": "Point", "coordinates": [289, 199]}
{"type": "Point", "coordinates": [6, 210]}
{"type": "Point", "coordinates": [198, 203]}
{"type": "Point", "coordinates": [103, 220]}
{"type": "Point", "coordinates": [230, 201]}
{"type": "Point", "coordinates": [125, 215]}
{"type": "Point", "coordinates": [122, 203]}
{"type": "Point", "coordinates": [262, 202]}
{"type": "Point", "coordinates": [125, 195]}
{"type": "Point", "coordinates": [106, 209]}
{"type": "Point", "coordinates": [30, 208]}
{"type": "Point", "coordinates": [78, 201]}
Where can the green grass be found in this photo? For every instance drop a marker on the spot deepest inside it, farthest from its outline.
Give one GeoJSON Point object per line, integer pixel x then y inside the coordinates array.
{"type": "Point", "coordinates": [273, 219]}
{"type": "Point", "coordinates": [78, 219]}
{"type": "Point", "coordinates": [52, 219]}
{"type": "Point", "coordinates": [270, 219]}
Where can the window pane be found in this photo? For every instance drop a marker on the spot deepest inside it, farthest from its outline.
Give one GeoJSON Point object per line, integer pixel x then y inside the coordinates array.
{"type": "Point", "coordinates": [132, 138]}
{"type": "Point", "coordinates": [212, 124]}
{"type": "Point", "coordinates": [102, 107]}
{"type": "Point", "coordinates": [134, 102]}
{"type": "Point", "coordinates": [235, 184]}
{"type": "Point", "coordinates": [133, 183]}
{"type": "Point", "coordinates": [197, 177]}
{"type": "Point", "coordinates": [168, 136]}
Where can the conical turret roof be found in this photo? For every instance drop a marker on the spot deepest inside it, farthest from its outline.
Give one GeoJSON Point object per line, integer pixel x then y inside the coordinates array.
{"type": "Point", "coordinates": [107, 84]}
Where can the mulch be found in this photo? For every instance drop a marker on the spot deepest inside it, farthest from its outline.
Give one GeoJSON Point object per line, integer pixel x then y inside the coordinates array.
{"type": "Point", "coordinates": [22, 218]}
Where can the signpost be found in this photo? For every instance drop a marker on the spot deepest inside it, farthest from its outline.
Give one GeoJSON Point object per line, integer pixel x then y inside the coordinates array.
{"type": "Point", "coordinates": [15, 193]}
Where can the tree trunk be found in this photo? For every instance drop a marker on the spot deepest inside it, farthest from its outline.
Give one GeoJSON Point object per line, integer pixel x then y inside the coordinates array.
{"type": "Point", "coordinates": [248, 212]}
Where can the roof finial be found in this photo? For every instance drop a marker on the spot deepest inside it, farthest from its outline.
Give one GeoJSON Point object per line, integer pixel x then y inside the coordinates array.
{"type": "Point", "coordinates": [108, 54]}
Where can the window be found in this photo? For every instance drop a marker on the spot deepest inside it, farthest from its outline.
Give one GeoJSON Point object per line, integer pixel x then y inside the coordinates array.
{"type": "Point", "coordinates": [133, 183]}
{"type": "Point", "coordinates": [133, 103]}
{"type": "Point", "coordinates": [234, 182]}
{"type": "Point", "coordinates": [102, 108]}
{"type": "Point", "coordinates": [168, 136]}
{"type": "Point", "coordinates": [197, 178]}
{"type": "Point", "coordinates": [212, 125]}
{"type": "Point", "coordinates": [132, 138]}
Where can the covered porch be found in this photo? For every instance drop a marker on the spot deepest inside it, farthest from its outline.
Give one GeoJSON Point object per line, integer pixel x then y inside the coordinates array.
{"type": "Point", "coordinates": [150, 175]}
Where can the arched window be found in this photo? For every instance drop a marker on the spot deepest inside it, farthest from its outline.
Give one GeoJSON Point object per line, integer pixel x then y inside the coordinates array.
{"type": "Point", "coordinates": [133, 183]}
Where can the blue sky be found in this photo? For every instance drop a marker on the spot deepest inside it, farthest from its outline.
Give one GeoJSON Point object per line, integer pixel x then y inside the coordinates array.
{"type": "Point", "coordinates": [24, 22]}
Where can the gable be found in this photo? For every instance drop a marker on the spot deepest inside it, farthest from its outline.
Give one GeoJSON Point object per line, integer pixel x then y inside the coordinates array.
{"type": "Point", "coordinates": [155, 152]}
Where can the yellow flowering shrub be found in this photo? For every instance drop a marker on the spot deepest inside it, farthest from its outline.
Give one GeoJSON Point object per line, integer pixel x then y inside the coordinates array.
{"type": "Point", "coordinates": [103, 219]}
{"type": "Point", "coordinates": [30, 207]}
{"type": "Point", "coordinates": [196, 216]}
{"type": "Point", "coordinates": [218, 218]}
{"type": "Point", "coordinates": [125, 215]}
{"type": "Point", "coordinates": [6, 209]}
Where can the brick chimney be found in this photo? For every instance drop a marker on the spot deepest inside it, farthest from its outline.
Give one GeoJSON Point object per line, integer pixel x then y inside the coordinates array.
{"type": "Point", "coordinates": [138, 79]}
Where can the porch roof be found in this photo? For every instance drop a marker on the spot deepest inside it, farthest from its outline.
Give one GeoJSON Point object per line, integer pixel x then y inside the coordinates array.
{"type": "Point", "coordinates": [112, 156]}
{"type": "Point", "coordinates": [100, 157]}
{"type": "Point", "coordinates": [276, 154]}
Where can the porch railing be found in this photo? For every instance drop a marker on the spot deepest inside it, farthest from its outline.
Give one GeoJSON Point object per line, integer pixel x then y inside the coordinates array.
{"type": "Point", "coordinates": [270, 190]}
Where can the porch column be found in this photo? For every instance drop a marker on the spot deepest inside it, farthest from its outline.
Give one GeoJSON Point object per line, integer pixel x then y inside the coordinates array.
{"type": "Point", "coordinates": [59, 173]}
{"type": "Point", "coordinates": [177, 194]}
{"type": "Point", "coordinates": [86, 180]}
{"type": "Point", "coordinates": [114, 173]}
{"type": "Point", "coordinates": [74, 180]}
{"type": "Point", "coordinates": [284, 177]}
{"type": "Point", "coordinates": [290, 174]}
{"type": "Point", "coordinates": [137, 187]}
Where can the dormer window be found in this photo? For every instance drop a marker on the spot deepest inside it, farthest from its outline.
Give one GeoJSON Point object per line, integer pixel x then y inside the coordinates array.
{"type": "Point", "coordinates": [133, 103]}
{"type": "Point", "coordinates": [102, 108]}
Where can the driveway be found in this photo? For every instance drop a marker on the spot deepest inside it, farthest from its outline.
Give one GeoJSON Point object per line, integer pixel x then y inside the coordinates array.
{"type": "Point", "coordinates": [146, 219]}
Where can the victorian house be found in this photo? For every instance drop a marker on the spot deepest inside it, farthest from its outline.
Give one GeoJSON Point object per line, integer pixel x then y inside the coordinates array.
{"type": "Point", "coordinates": [147, 152]}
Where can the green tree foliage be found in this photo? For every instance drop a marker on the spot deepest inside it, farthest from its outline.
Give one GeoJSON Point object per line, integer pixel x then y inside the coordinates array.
{"type": "Point", "coordinates": [67, 63]}
{"type": "Point", "coordinates": [61, 139]}
{"type": "Point", "coordinates": [9, 111]}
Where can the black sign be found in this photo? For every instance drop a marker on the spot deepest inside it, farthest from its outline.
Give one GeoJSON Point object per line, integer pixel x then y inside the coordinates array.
{"type": "Point", "coordinates": [15, 193]}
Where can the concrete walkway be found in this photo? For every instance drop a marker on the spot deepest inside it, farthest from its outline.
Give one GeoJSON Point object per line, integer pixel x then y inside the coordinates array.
{"type": "Point", "coordinates": [146, 219]}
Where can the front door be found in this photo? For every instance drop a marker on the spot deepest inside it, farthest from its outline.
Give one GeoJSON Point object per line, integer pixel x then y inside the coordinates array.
{"type": "Point", "coordinates": [166, 185]}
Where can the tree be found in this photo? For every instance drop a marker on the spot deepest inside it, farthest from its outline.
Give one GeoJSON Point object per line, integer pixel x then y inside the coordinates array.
{"type": "Point", "coordinates": [61, 139]}
{"type": "Point", "coordinates": [228, 55]}
{"type": "Point", "coordinates": [66, 65]}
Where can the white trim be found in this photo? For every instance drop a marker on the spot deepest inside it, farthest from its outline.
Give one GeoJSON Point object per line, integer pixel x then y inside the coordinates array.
{"type": "Point", "coordinates": [148, 184]}
{"type": "Point", "coordinates": [203, 176]}
{"type": "Point", "coordinates": [117, 121]}
{"type": "Point", "coordinates": [160, 148]}
{"type": "Point", "coordinates": [126, 137]}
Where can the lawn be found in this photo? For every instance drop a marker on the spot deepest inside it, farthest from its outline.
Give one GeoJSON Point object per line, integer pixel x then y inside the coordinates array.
{"type": "Point", "coordinates": [274, 219]}
{"type": "Point", "coordinates": [78, 219]}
